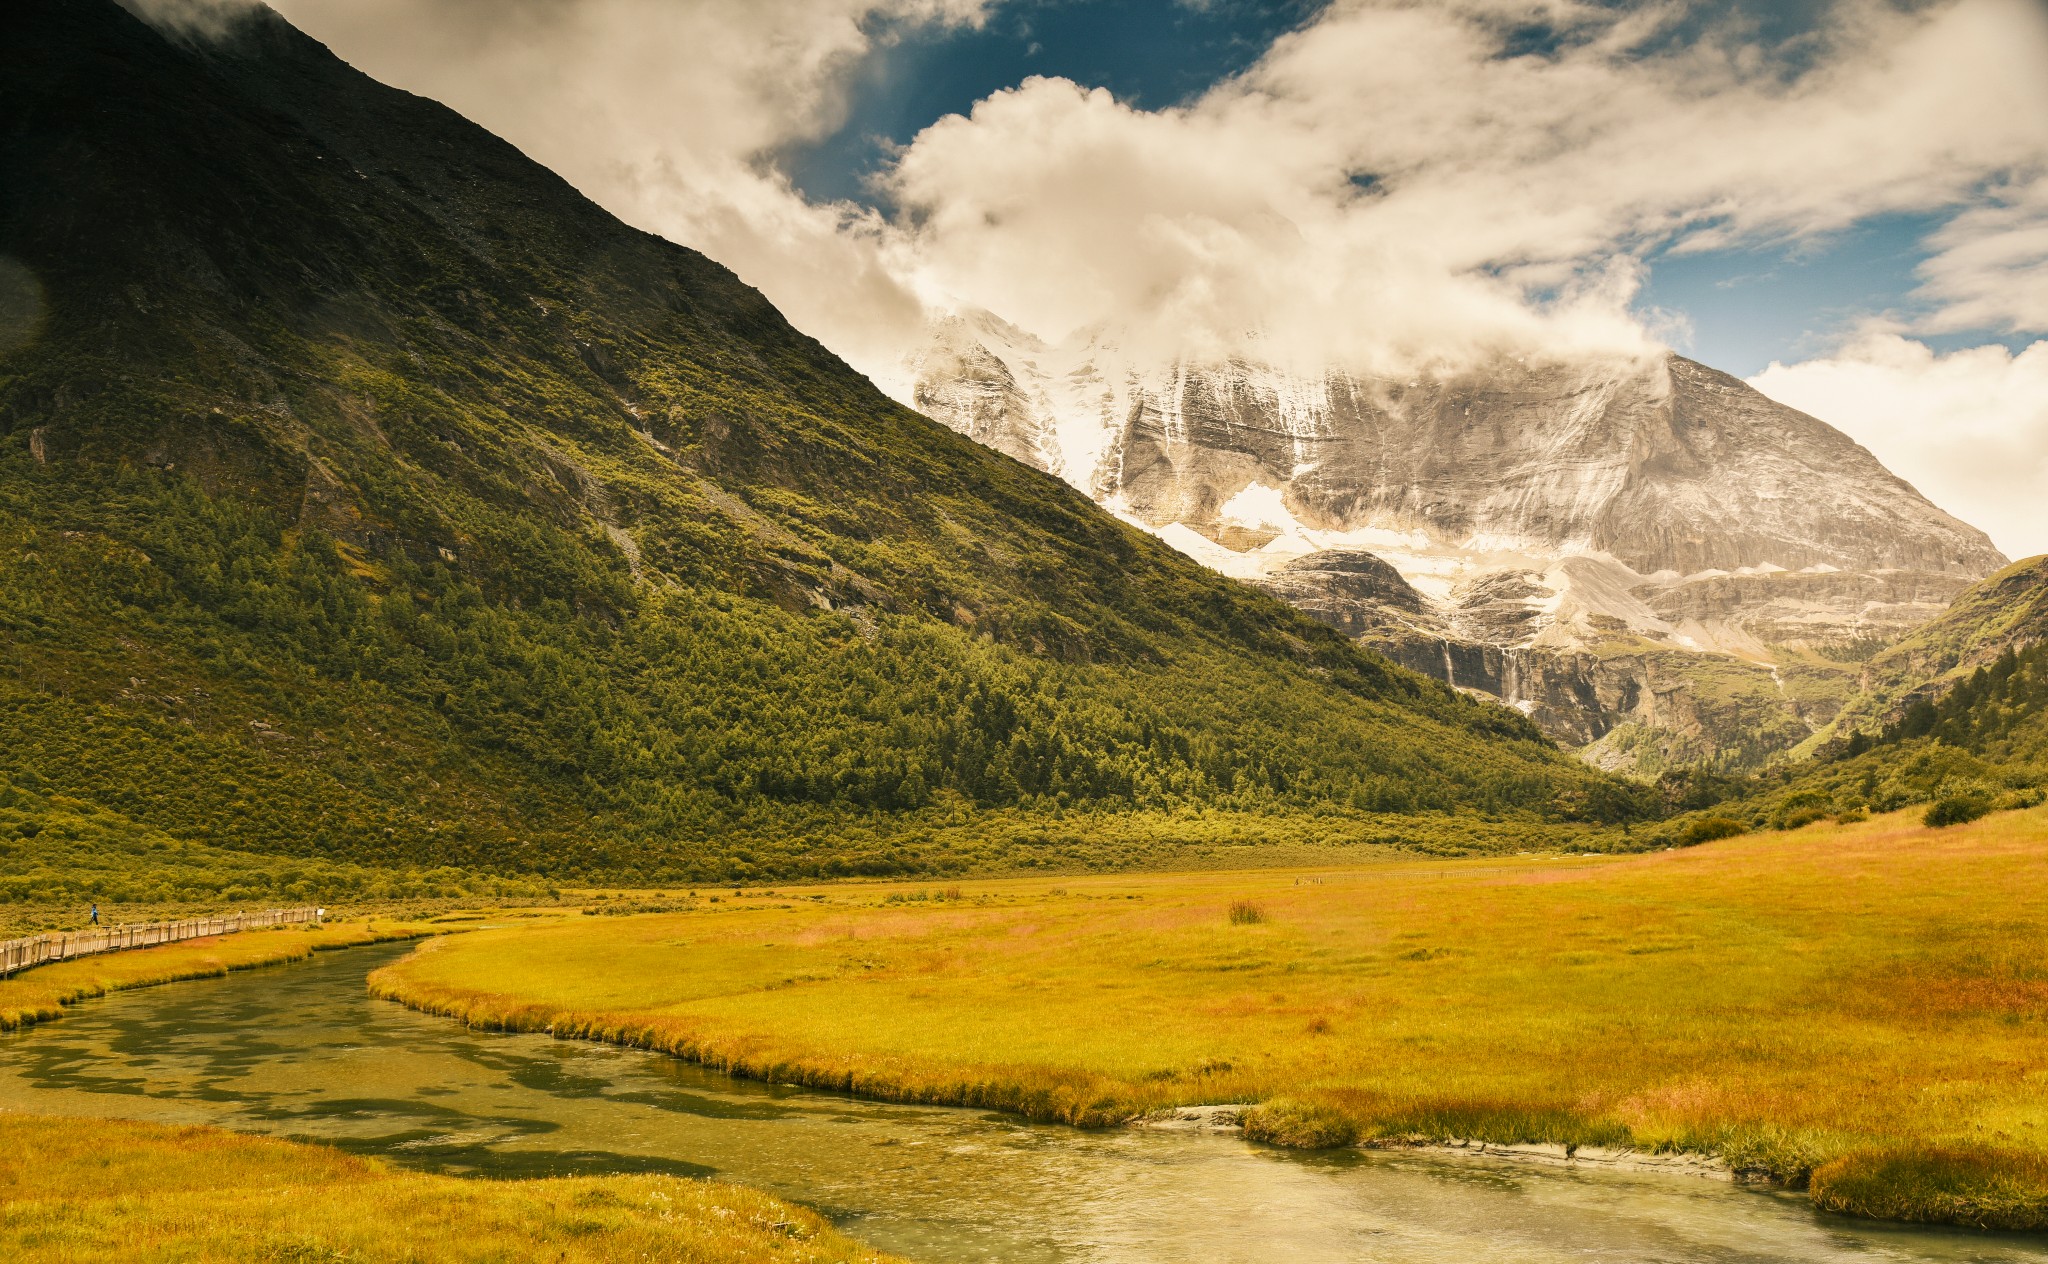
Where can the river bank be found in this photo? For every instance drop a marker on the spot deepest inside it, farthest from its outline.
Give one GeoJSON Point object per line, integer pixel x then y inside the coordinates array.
{"type": "Point", "coordinates": [1843, 1009]}
{"type": "Point", "coordinates": [302, 1051]}
{"type": "Point", "coordinates": [71, 1187]}
{"type": "Point", "coordinates": [1227, 1119]}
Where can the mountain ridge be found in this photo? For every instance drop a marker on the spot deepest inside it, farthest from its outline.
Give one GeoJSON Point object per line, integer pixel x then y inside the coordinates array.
{"type": "Point", "coordinates": [472, 526]}
{"type": "Point", "coordinates": [1602, 455]}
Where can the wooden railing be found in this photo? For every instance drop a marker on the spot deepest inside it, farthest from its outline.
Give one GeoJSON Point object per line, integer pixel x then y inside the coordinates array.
{"type": "Point", "coordinates": [36, 950]}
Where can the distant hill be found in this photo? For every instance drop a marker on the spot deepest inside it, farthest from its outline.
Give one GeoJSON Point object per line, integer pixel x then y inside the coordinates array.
{"type": "Point", "coordinates": [368, 493]}
{"type": "Point", "coordinates": [2008, 611]}
{"type": "Point", "coordinates": [1955, 714]}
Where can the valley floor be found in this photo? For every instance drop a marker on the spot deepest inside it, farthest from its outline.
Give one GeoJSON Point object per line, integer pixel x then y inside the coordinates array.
{"type": "Point", "coordinates": [1863, 1007]}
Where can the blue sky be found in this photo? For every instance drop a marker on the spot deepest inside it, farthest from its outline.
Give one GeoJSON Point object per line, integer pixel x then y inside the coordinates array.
{"type": "Point", "coordinates": [1747, 308]}
{"type": "Point", "coordinates": [1151, 53]}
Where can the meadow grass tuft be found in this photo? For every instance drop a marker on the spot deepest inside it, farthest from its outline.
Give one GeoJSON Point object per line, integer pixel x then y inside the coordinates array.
{"type": "Point", "coordinates": [1778, 1000]}
{"type": "Point", "coordinates": [1301, 1125]}
{"type": "Point", "coordinates": [1990, 1189]}
{"type": "Point", "coordinates": [1246, 913]}
{"type": "Point", "coordinates": [91, 1189]}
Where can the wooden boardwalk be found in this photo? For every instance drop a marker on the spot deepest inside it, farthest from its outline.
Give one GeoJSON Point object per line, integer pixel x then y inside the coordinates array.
{"type": "Point", "coordinates": [36, 950]}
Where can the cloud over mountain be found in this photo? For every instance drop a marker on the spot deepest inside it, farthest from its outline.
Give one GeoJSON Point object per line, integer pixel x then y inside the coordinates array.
{"type": "Point", "coordinates": [1393, 180]}
{"type": "Point", "coordinates": [1397, 181]}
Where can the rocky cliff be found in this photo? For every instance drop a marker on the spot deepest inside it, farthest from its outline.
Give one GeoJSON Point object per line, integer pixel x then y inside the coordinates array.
{"type": "Point", "coordinates": [1648, 549]}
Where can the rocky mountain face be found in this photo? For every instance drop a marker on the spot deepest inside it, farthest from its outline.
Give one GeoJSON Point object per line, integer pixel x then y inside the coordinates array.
{"type": "Point", "coordinates": [1648, 557]}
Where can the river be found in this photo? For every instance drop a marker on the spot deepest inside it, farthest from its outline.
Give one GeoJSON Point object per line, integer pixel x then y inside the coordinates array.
{"type": "Point", "coordinates": [302, 1051]}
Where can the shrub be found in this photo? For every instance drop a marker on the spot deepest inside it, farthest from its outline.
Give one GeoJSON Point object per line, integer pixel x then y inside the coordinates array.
{"type": "Point", "coordinates": [1987, 1189]}
{"type": "Point", "coordinates": [1709, 828]}
{"type": "Point", "coordinates": [1246, 913]}
{"type": "Point", "coordinates": [1849, 816]}
{"type": "Point", "coordinates": [1299, 1125]}
{"type": "Point", "coordinates": [1797, 818]}
{"type": "Point", "coordinates": [1955, 809]}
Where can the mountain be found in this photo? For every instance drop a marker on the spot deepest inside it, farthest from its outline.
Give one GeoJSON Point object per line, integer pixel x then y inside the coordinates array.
{"type": "Point", "coordinates": [1648, 557]}
{"type": "Point", "coordinates": [368, 493]}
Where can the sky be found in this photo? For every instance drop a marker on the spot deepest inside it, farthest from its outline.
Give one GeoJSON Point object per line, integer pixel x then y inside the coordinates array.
{"type": "Point", "coordinates": [1844, 201]}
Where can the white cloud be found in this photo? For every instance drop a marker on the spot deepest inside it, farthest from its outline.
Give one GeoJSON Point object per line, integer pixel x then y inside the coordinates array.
{"type": "Point", "coordinates": [1990, 269]}
{"type": "Point", "coordinates": [1386, 184]}
{"type": "Point", "coordinates": [1970, 428]}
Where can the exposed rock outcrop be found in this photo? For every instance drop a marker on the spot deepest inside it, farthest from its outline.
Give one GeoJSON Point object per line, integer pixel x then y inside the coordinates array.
{"type": "Point", "coordinates": [1646, 548]}
{"type": "Point", "coordinates": [1662, 463]}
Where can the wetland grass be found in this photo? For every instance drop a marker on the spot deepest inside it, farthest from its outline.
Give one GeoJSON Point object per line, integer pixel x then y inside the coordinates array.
{"type": "Point", "coordinates": [1784, 1001]}
{"type": "Point", "coordinates": [90, 1189]}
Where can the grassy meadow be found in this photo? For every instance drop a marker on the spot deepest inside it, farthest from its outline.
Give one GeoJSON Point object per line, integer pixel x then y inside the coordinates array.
{"type": "Point", "coordinates": [1863, 1005]}
{"type": "Point", "coordinates": [89, 1189]}
{"type": "Point", "coordinates": [42, 992]}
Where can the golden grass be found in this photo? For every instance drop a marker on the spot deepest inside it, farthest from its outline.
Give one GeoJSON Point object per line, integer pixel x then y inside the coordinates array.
{"type": "Point", "coordinates": [87, 1189]}
{"type": "Point", "coordinates": [1990, 1189]}
{"type": "Point", "coordinates": [42, 992]}
{"type": "Point", "coordinates": [1782, 1000]}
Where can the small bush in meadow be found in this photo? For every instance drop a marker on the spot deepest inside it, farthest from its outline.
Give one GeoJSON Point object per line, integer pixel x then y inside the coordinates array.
{"type": "Point", "coordinates": [1850, 816]}
{"type": "Point", "coordinates": [1246, 913]}
{"type": "Point", "coordinates": [1709, 828]}
{"type": "Point", "coordinates": [1955, 809]}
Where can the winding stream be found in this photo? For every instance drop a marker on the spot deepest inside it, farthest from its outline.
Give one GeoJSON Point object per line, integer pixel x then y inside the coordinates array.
{"type": "Point", "coordinates": [302, 1051]}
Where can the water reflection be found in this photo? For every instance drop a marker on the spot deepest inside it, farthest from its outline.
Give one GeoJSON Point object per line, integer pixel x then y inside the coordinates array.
{"type": "Point", "coordinates": [302, 1051]}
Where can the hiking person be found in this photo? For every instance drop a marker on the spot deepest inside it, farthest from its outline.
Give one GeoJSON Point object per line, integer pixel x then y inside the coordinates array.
{"type": "Point", "coordinates": [95, 914]}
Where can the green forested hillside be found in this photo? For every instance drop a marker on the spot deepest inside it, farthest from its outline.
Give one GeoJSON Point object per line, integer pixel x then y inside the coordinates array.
{"type": "Point", "coordinates": [56, 849]}
{"type": "Point", "coordinates": [367, 493]}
